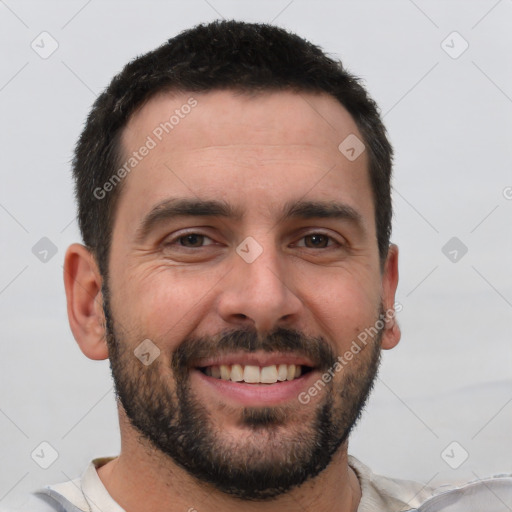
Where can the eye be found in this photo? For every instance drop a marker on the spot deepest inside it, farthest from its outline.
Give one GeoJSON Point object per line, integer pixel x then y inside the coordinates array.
{"type": "Point", "coordinates": [190, 240]}
{"type": "Point", "coordinates": [318, 241]}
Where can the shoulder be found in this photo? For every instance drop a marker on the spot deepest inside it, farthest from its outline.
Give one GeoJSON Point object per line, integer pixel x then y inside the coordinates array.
{"type": "Point", "coordinates": [37, 503]}
{"type": "Point", "coordinates": [69, 496]}
{"type": "Point", "coordinates": [493, 494]}
{"type": "Point", "coordinates": [384, 493]}
{"type": "Point", "coordinates": [380, 493]}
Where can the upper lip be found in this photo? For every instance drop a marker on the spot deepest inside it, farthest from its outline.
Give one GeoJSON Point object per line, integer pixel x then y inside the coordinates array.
{"type": "Point", "coordinates": [255, 359]}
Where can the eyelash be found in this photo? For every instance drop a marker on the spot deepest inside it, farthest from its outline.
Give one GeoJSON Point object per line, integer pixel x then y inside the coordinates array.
{"type": "Point", "coordinates": [176, 239]}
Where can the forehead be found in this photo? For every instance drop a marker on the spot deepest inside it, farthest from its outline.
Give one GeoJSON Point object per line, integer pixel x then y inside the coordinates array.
{"type": "Point", "coordinates": [256, 150]}
{"type": "Point", "coordinates": [281, 117]}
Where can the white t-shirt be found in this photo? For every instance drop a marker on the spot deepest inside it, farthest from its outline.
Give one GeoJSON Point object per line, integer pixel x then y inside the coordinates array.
{"type": "Point", "coordinates": [379, 494]}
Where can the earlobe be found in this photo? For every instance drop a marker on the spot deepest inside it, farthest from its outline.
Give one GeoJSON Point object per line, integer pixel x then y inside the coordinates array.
{"type": "Point", "coordinates": [82, 281]}
{"type": "Point", "coordinates": [392, 334]}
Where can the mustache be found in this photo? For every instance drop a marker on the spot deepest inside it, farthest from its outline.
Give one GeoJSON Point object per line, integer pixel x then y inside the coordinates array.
{"type": "Point", "coordinates": [282, 340]}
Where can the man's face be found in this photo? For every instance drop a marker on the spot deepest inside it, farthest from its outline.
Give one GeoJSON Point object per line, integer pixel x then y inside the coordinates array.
{"type": "Point", "coordinates": [277, 269]}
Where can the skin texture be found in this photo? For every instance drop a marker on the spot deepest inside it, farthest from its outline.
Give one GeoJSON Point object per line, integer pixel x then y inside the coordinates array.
{"type": "Point", "coordinates": [256, 153]}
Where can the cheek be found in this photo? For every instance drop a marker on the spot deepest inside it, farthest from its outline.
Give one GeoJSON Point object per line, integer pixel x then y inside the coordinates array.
{"type": "Point", "coordinates": [163, 302]}
{"type": "Point", "coordinates": [344, 305]}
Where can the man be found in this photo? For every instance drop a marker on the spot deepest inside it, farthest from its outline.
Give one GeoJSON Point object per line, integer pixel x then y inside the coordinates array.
{"type": "Point", "coordinates": [233, 192]}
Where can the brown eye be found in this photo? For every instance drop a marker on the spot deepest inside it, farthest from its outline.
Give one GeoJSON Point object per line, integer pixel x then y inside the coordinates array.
{"type": "Point", "coordinates": [192, 240]}
{"type": "Point", "coordinates": [317, 240]}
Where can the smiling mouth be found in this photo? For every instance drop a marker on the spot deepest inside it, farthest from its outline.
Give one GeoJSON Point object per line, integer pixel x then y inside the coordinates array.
{"type": "Point", "coordinates": [251, 374]}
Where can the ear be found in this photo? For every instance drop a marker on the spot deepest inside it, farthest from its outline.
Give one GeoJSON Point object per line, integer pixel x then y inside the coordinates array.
{"type": "Point", "coordinates": [82, 281]}
{"type": "Point", "coordinates": [392, 334]}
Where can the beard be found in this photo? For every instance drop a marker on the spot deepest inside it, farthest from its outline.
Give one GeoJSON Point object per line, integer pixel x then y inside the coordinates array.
{"type": "Point", "coordinates": [278, 448]}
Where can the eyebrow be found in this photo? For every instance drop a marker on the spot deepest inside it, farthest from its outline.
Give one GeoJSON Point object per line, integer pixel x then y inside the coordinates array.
{"type": "Point", "coordinates": [321, 209]}
{"type": "Point", "coordinates": [191, 207]}
{"type": "Point", "coordinates": [184, 207]}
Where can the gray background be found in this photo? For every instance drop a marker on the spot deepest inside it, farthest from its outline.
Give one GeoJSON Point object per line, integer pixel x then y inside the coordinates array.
{"type": "Point", "coordinates": [449, 380]}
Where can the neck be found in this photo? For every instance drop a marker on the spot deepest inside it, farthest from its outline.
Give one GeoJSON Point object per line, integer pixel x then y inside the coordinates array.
{"type": "Point", "coordinates": [142, 478]}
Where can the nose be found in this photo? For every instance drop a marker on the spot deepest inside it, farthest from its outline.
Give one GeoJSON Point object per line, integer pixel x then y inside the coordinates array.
{"type": "Point", "coordinates": [260, 294]}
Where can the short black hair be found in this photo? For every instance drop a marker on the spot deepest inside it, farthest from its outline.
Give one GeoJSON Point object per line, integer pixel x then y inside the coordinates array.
{"type": "Point", "coordinates": [229, 55]}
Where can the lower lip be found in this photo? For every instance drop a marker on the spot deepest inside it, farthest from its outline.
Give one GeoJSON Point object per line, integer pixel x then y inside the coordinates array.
{"type": "Point", "coordinates": [255, 394]}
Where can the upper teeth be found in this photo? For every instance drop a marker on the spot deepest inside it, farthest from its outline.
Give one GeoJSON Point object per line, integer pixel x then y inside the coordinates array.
{"type": "Point", "coordinates": [255, 374]}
